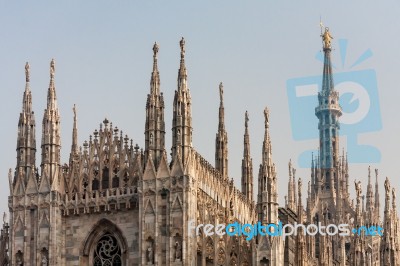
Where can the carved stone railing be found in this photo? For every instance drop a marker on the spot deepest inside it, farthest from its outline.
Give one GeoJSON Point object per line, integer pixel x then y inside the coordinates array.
{"type": "Point", "coordinates": [100, 200]}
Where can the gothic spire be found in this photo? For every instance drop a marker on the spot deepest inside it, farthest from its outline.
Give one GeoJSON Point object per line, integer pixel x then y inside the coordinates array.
{"type": "Point", "coordinates": [294, 189]}
{"type": "Point", "coordinates": [370, 199]}
{"type": "Point", "coordinates": [387, 196]}
{"type": "Point", "coordinates": [328, 112]}
{"type": "Point", "coordinates": [182, 74]}
{"type": "Point", "coordinates": [221, 140]}
{"type": "Point", "coordinates": [26, 141]}
{"type": "Point", "coordinates": [247, 163]}
{"type": "Point", "coordinates": [182, 114]}
{"type": "Point", "coordinates": [267, 149]}
{"type": "Point", "coordinates": [300, 239]}
{"type": "Point", "coordinates": [51, 140]}
{"type": "Point", "coordinates": [27, 100]}
{"type": "Point", "coordinates": [387, 249]}
{"type": "Point", "coordinates": [291, 192]}
{"type": "Point", "coordinates": [155, 125]}
{"type": "Point", "coordinates": [51, 94]}
{"type": "Point", "coordinates": [155, 75]}
{"type": "Point", "coordinates": [74, 146]}
{"type": "Point", "coordinates": [267, 183]}
{"type": "Point", "coordinates": [246, 152]}
{"type": "Point", "coordinates": [394, 203]}
{"type": "Point", "coordinates": [377, 199]}
{"type": "Point", "coordinates": [221, 123]}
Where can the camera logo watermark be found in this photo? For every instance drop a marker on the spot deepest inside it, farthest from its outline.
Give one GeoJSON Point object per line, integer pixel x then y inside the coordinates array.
{"type": "Point", "coordinates": [252, 230]}
{"type": "Point", "coordinates": [358, 97]}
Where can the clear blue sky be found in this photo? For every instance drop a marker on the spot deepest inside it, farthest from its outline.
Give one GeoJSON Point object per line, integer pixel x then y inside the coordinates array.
{"type": "Point", "coordinates": [103, 53]}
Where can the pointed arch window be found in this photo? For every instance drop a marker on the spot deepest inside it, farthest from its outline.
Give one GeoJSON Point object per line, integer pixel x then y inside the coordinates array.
{"type": "Point", "coordinates": [105, 178]}
{"type": "Point", "coordinates": [115, 181]}
{"type": "Point", "coordinates": [95, 184]}
{"type": "Point", "coordinates": [107, 252]}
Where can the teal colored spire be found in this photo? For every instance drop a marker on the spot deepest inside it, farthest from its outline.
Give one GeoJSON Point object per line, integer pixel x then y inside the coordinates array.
{"type": "Point", "coordinates": [327, 80]}
{"type": "Point", "coordinates": [328, 112]}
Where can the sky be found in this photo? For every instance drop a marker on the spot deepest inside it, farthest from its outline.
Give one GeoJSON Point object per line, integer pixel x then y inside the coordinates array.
{"type": "Point", "coordinates": [103, 53]}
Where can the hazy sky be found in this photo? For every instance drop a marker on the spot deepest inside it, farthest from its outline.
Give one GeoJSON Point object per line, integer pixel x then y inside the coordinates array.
{"type": "Point", "coordinates": [103, 53]}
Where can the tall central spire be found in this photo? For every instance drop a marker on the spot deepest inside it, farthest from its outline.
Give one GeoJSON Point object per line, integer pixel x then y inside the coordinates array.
{"type": "Point", "coordinates": [182, 113]}
{"type": "Point", "coordinates": [328, 112]}
{"type": "Point", "coordinates": [155, 125]}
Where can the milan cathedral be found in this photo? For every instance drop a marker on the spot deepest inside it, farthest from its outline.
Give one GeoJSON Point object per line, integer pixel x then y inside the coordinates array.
{"type": "Point", "coordinates": [115, 203]}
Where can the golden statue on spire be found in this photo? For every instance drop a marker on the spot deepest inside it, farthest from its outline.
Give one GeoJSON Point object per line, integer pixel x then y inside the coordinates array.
{"type": "Point", "coordinates": [326, 38]}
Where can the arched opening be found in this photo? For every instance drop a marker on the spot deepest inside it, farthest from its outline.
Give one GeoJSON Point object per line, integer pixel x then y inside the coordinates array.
{"type": "Point", "coordinates": [105, 178]}
{"type": "Point", "coordinates": [107, 251]}
{"type": "Point", "coordinates": [115, 182]}
{"type": "Point", "coordinates": [199, 257]}
{"type": "Point", "coordinates": [95, 184]}
{"type": "Point", "coordinates": [264, 262]}
{"type": "Point", "coordinates": [104, 245]}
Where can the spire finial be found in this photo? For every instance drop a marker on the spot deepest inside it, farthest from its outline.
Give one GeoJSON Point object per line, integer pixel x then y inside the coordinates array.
{"type": "Point", "coordinates": [369, 175]}
{"type": "Point", "coordinates": [52, 68]}
{"type": "Point", "coordinates": [182, 75]}
{"type": "Point", "coordinates": [299, 188]}
{"type": "Point", "coordinates": [182, 44]}
{"type": "Point", "coordinates": [27, 72]}
{"type": "Point", "coordinates": [387, 187]}
{"type": "Point", "coordinates": [221, 92]}
{"type": "Point", "coordinates": [74, 109]}
{"type": "Point", "coordinates": [266, 116]}
{"type": "Point", "coordinates": [155, 49]}
{"type": "Point", "coordinates": [74, 148]}
{"type": "Point", "coordinates": [246, 119]}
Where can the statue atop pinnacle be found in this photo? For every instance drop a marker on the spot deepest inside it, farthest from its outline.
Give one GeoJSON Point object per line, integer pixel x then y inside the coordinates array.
{"type": "Point", "coordinates": [326, 38]}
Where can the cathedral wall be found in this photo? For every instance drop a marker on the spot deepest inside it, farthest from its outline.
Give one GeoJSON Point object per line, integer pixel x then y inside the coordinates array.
{"type": "Point", "coordinates": [80, 229]}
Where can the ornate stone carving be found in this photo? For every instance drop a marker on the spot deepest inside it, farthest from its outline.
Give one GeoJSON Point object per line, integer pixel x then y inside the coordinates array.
{"type": "Point", "coordinates": [221, 256]}
{"type": "Point", "coordinates": [178, 251]}
{"type": "Point", "coordinates": [19, 258]}
{"type": "Point", "coordinates": [150, 253]}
